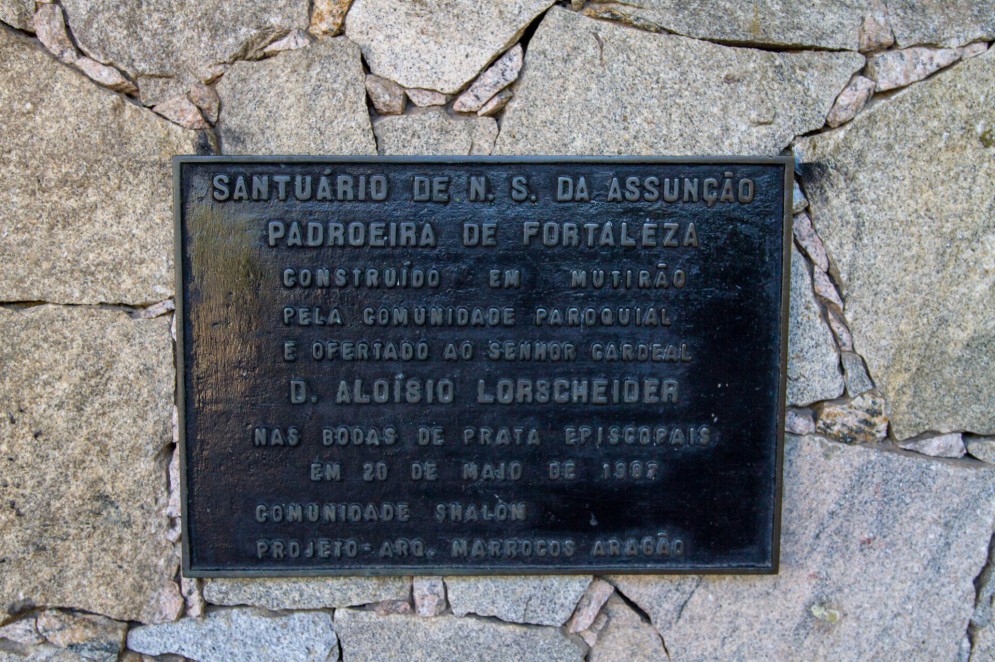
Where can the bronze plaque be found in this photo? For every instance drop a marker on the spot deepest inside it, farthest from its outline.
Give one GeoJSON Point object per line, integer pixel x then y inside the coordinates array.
{"type": "Point", "coordinates": [481, 365]}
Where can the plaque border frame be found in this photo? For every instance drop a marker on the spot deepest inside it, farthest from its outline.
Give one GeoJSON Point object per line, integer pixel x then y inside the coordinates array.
{"type": "Point", "coordinates": [788, 165]}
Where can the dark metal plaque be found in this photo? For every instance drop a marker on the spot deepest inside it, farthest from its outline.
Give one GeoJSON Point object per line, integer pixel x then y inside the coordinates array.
{"type": "Point", "coordinates": [481, 365]}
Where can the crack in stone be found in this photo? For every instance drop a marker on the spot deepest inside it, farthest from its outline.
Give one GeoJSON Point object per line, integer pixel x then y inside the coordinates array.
{"type": "Point", "coordinates": [643, 616]}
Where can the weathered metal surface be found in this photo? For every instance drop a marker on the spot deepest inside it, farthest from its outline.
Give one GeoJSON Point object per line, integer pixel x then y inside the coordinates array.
{"type": "Point", "coordinates": [481, 365]}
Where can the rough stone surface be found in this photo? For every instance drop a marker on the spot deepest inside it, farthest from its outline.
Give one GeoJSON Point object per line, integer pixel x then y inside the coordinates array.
{"type": "Point", "coordinates": [430, 595]}
{"type": "Point", "coordinates": [496, 104]}
{"type": "Point", "coordinates": [387, 96]}
{"type": "Point", "coordinates": [902, 199]}
{"type": "Point", "coordinates": [241, 634]}
{"type": "Point", "coordinates": [855, 374]}
{"type": "Point", "coordinates": [799, 421]}
{"type": "Point", "coordinates": [941, 445]}
{"type": "Point", "coordinates": [22, 631]}
{"type": "Point", "coordinates": [85, 394]}
{"type": "Point", "coordinates": [434, 131]}
{"type": "Point", "coordinates": [831, 24]}
{"type": "Point", "coordinates": [328, 17]}
{"type": "Point", "coordinates": [206, 98]}
{"type": "Point", "coordinates": [177, 42]}
{"type": "Point", "coordinates": [875, 546]}
{"type": "Point", "coordinates": [366, 637]}
{"type": "Point", "coordinates": [498, 76]}
{"type": "Point", "coordinates": [625, 637]}
{"type": "Point", "coordinates": [859, 421]}
{"type": "Point", "coordinates": [18, 13]}
{"type": "Point", "coordinates": [90, 636]}
{"type": "Point", "coordinates": [851, 101]}
{"type": "Point", "coordinates": [105, 75]}
{"type": "Point", "coordinates": [305, 593]}
{"type": "Point", "coordinates": [900, 68]}
{"type": "Point", "coordinates": [86, 175]}
{"type": "Point", "coordinates": [982, 448]}
{"type": "Point", "coordinates": [590, 605]}
{"type": "Point", "coordinates": [541, 600]}
{"type": "Point", "coordinates": [718, 99]}
{"type": "Point", "coordinates": [182, 111]}
{"type": "Point", "coordinates": [441, 46]}
{"type": "Point", "coordinates": [813, 361]}
{"type": "Point", "coordinates": [943, 22]}
{"type": "Point", "coordinates": [425, 98]}
{"type": "Point", "coordinates": [309, 101]}
{"type": "Point", "coordinates": [50, 26]}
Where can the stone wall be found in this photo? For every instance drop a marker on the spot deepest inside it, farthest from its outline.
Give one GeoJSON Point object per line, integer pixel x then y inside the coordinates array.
{"type": "Point", "coordinates": [889, 498]}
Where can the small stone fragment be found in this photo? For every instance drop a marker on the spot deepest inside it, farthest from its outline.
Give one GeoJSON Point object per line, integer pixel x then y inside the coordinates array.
{"type": "Point", "coordinates": [22, 631]}
{"type": "Point", "coordinates": [241, 634]}
{"type": "Point", "coordinates": [590, 605]}
{"type": "Point", "coordinates": [590, 635]}
{"type": "Point", "coordinates": [941, 445]}
{"type": "Point", "coordinates": [809, 241]}
{"type": "Point", "coordinates": [625, 637]}
{"type": "Point", "coordinates": [430, 595]}
{"type": "Point", "coordinates": [173, 505]}
{"type": "Point", "coordinates": [825, 288]}
{"type": "Point", "coordinates": [859, 421]}
{"type": "Point", "coordinates": [798, 200]}
{"type": "Point", "coordinates": [425, 98]}
{"type": "Point", "coordinates": [850, 101]}
{"type": "Point", "coordinates": [900, 68]}
{"type": "Point", "coordinates": [206, 98]}
{"type": "Point", "coordinates": [90, 636]}
{"type": "Point", "coordinates": [296, 39]}
{"type": "Point", "coordinates": [155, 310]}
{"type": "Point", "coordinates": [182, 111]}
{"type": "Point", "coordinates": [50, 26]}
{"type": "Point", "coordinates": [496, 104]}
{"type": "Point", "coordinates": [328, 17]}
{"type": "Point", "coordinates": [498, 76]}
{"type": "Point", "coordinates": [105, 75]}
{"type": "Point", "coordinates": [840, 330]}
{"type": "Point", "coordinates": [855, 374]}
{"type": "Point", "coordinates": [193, 596]}
{"type": "Point", "coordinates": [982, 448]}
{"type": "Point", "coordinates": [388, 607]}
{"type": "Point", "coordinates": [875, 33]}
{"type": "Point", "coordinates": [386, 95]}
{"type": "Point", "coordinates": [973, 50]}
{"type": "Point", "coordinates": [799, 421]}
